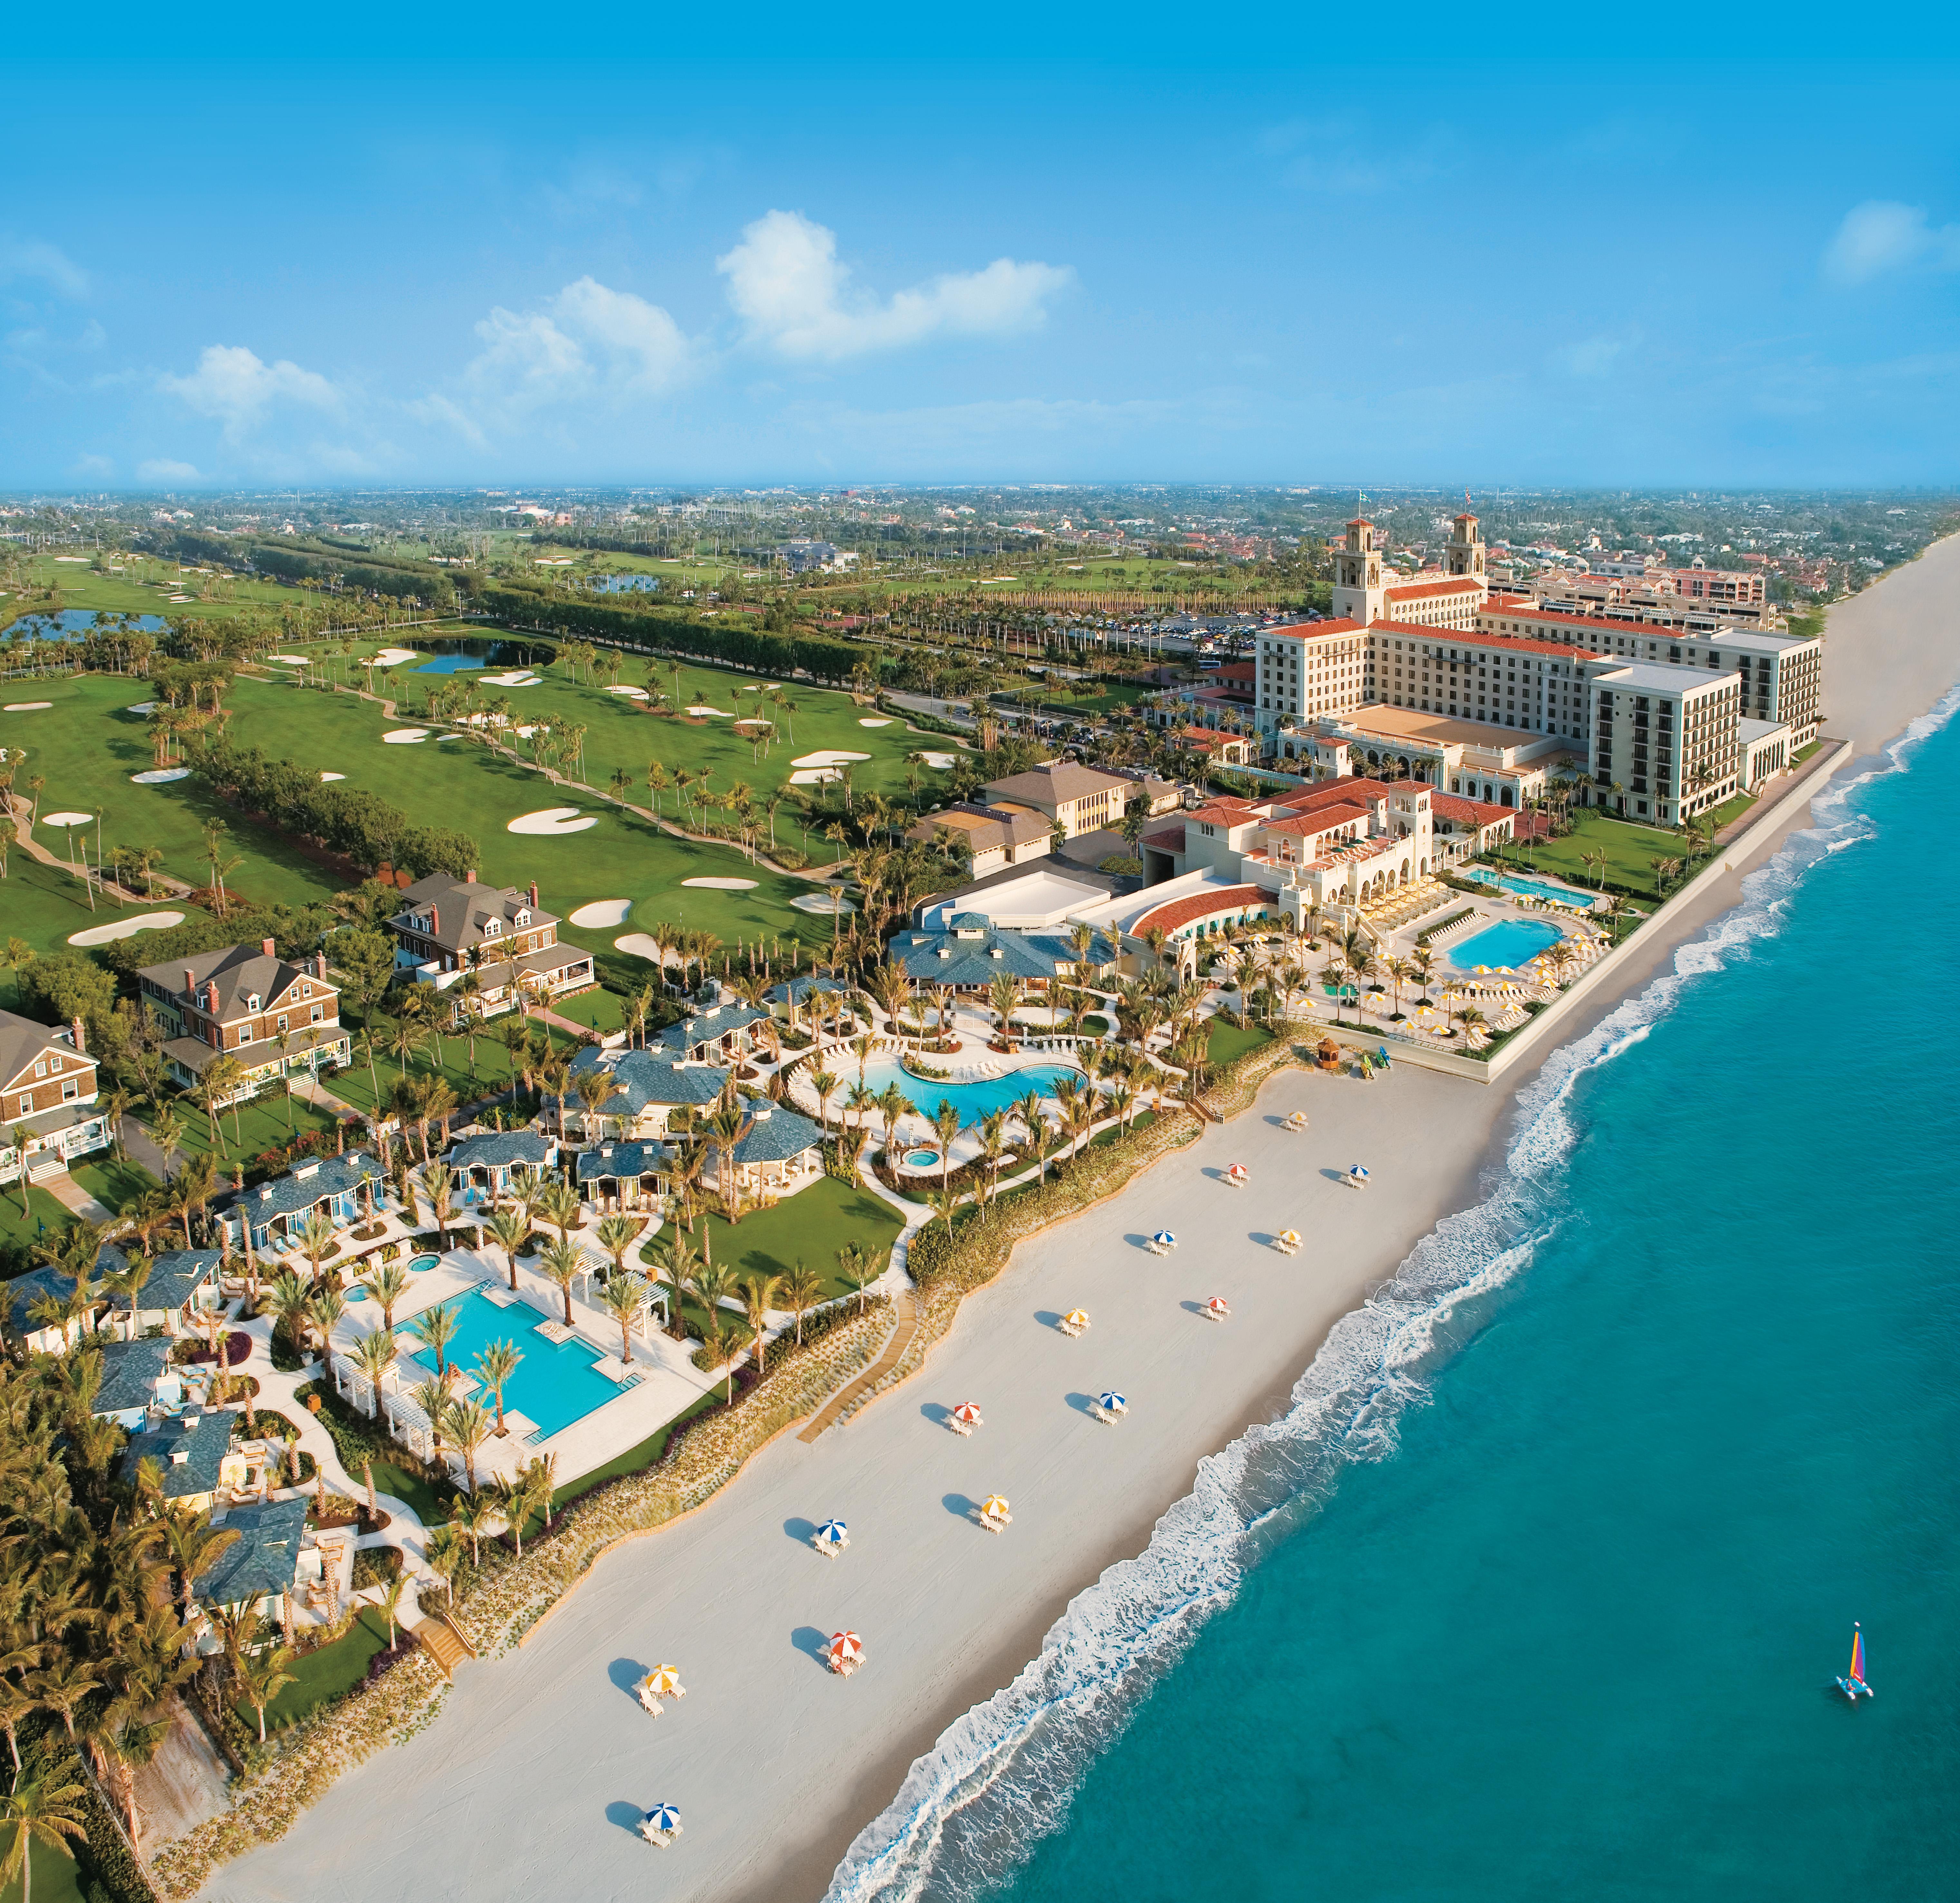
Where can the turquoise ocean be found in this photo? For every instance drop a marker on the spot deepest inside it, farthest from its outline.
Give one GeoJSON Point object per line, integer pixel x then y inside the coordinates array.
{"type": "Point", "coordinates": [1538, 1588]}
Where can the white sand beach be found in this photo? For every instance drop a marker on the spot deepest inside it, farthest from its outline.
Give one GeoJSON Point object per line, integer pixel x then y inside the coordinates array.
{"type": "Point", "coordinates": [530, 1780]}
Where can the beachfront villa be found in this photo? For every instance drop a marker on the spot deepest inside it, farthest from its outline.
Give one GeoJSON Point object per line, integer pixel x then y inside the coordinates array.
{"type": "Point", "coordinates": [721, 1034]}
{"type": "Point", "coordinates": [47, 1097]}
{"type": "Point", "coordinates": [189, 1454]}
{"type": "Point", "coordinates": [483, 1167]}
{"type": "Point", "coordinates": [267, 1219]}
{"type": "Point", "coordinates": [649, 1086]}
{"type": "Point", "coordinates": [615, 1177]}
{"type": "Point", "coordinates": [970, 952]}
{"type": "Point", "coordinates": [275, 1015]}
{"type": "Point", "coordinates": [181, 1289]}
{"type": "Point", "coordinates": [448, 926]}
{"type": "Point", "coordinates": [137, 1377]}
{"type": "Point", "coordinates": [261, 1568]}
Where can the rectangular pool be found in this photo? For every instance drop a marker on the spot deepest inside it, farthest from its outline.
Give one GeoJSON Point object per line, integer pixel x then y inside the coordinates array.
{"type": "Point", "coordinates": [1532, 888]}
{"type": "Point", "coordinates": [553, 1385]}
{"type": "Point", "coordinates": [1513, 942]}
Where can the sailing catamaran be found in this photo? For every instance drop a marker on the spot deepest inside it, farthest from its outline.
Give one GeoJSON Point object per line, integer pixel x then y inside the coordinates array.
{"type": "Point", "coordinates": [1853, 1684]}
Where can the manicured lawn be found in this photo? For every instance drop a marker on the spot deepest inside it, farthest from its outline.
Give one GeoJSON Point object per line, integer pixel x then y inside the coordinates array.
{"type": "Point", "coordinates": [411, 1490]}
{"type": "Point", "coordinates": [42, 905]}
{"type": "Point", "coordinates": [116, 1185]}
{"type": "Point", "coordinates": [326, 1673]}
{"type": "Point", "coordinates": [262, 1125]}
{"type": "Point", "coordinates": [355, 1086]}
{"type": "Point", "coordinates": [1730, 810]}
{"type": "Point", "coordinates": [597, 1011]}
{"type": "Point", "coordinates": [632, 1460]}
{"type": "Point", "coordinates": [44, 1219]}
{"type": "Point", "coordinates": [1630, 850]}
{"type": "Point", "coordinates": [814, 1224]}
{"type": "Point", "coordinates": [1226, 1042]}
{"type": "Point", "coordinates": [55, 1879]}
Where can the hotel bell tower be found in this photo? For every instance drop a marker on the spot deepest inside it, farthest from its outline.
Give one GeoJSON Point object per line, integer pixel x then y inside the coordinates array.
{"type": "Point", "coordinates": [1465, 555]}
{"type": "Point", "coordinates": [1357, 575]}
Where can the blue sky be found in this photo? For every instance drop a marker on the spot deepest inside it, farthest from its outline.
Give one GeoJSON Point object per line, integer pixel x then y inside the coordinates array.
{"type": "Point", "coordinates": [1409, 246]}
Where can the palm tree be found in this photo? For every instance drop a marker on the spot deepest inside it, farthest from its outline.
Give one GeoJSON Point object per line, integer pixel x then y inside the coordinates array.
{"type": "Point", "coordinates": [711, 1285]}
{"type": "Point", "coordinates": [1004, 999]}
{"type": "Point", "coordinates": [614, 1235]}
{"type": "Point", "coordinates": [759, 1295]}
{"type": "Point", "coordinates": [315, 1237]}
{"type": "Point", "coordinates": [167, 1132]}
{"type": "Point", "coordinates": [802, 1289]}
{"type": "Point", "coordinates": [443, 1551]}
{"type": "Point", "coordinates": [471, 1517]}
{"type": "Point", "coordinates": [193, 1545]}
{"type": "Point", "coordinates": [825, 1084]}
{"type": "Point", "coordinates": [495, 1364]}
{"type": "Point", "coordinates": [387, 1284]}
{"type": "Point", "coordinates": [434, 1181]}
{"type": "Point", "coordinates": [561, 1264]}
{"type": "Point", "coordinates": [1400, 972]}
{"type": "Point", "coordinates": [374, 1354]}
{"type": "Point", "coordinates": [509, 1230]}
{"type": "Point", "coordinates": [389, 1604]}
{"type": "Point", "coordinates": [558, 1202]}
{"type": "Point", "coordinates": [262, 1677]}
{"type": "Point", "coordinates": [621, 1298]}
{"type": "Point", "coordinates": [470, 1424]}
{"type": "Point", "coordinates": [435, 1328]}
{"type": "Point", "coordinates": [292, 1306]}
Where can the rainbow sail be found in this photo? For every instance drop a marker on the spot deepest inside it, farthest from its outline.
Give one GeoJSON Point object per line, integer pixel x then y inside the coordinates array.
{"type": "Point", "coordinates": [1856, 1674]}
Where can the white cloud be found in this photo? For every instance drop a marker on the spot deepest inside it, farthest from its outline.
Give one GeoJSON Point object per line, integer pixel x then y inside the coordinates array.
{"type": "Point", "coordinates": [1882, 235]}
{"type": "Point", "coordinates": [788, 287]}
{"type": "Point", "coordinates": [1594, 356]}
{"type": "Point", "coordinates": [231, 385]}
{"type": "Point", "coordinates": [35, 258]}
{"type": "Point", "coordinates": [162, 469]}
{"type": "Point", "coordinates": [589, 341]}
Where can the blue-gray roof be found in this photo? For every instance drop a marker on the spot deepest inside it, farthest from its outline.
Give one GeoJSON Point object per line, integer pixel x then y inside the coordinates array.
{"type": "Point", "coordinates": [175, 1275]}
{"type": "Point", "coordinates": [652, 1077]}
{"type": "Point", "coordinates": [775, 1135]}
{"type": "Point", "coordinates": [301, 1188]}
{"type": "Point", "coordinates": [24, 1290]}
{"type": "Point", "coordinates": [972, 953]}
{"type": "Point", "coordinates": [204, 1446]}
{"type": "Point", "coordinates": [264, 1558]}
{"type": "Point", "coordinates": [704, 1027]}
{"type": "Point", "coordinates": [130, 1371]}
{"type": "Point", "coordinates": [622, 1159]}
{"type": "Point", "coordinates": [499, 1149]}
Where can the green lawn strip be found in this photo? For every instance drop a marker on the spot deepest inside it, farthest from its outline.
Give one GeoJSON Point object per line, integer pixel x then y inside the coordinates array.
{"type": "Point", "coordinates": [45, 1218]}
{"type": "Point", "coordinates": [43, 905]}
{"type": "Point", "coordinates": [114, 1184]}
{"type": "Point", "coordinates": [814, 1224]}
{"type": "Point", "coordinates": [411, 1490]}
{"type": "Point", "coordinates": [355, 1083]}
{"type": "Point", "coordinates": [54, 1878]}
{"type": "Point", "coordinates": [1629, 851]}
{"type": "Point", "coordinates": [333, 1670]}
{"type": "Point", "coordinates": [263, 1123]}
{"type": "Point", "coordinates": [1729, 811]}
{"type": "Point", "coordinates": [1225, 1041]}
{"type": "Point", "coordinates": [597, 1011]}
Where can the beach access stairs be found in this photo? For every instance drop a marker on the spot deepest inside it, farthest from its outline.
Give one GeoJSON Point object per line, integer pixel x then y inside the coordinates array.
{"type": "Point", "coordinates": [443, 1644]}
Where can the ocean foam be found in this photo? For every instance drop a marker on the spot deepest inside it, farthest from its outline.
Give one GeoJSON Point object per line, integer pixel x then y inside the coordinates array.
{"type": "Point", "coordinates": [1004, 1774]}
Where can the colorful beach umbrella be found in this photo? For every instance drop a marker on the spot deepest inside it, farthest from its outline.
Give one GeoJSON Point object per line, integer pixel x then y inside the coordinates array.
{"type": "Point", "coordinates": [994, 1507]}
{"type": "Point", "coordinates": [1359, 1172]}
{"type": "Point", "coordinates": [1291, 1237]}
{"type": "Point", "coordinates": [846, 1648]}
{"type": "Point", "coordinates": [1238, 1173]}
{"type": "Point", "coordinates": [1077, 1318]}
{"type": "Point", "coordinates": [1164, 1239]}
{"type": "Point", "coordinates": [968, 1413]}
{"type": "Point", "coordinates": [1218, 1307]}
{"type": "Point", "coordinates": [1112, 1402]}
{"type": "Point", "coordinates": [835, 1534]}
{"type": "Point", "coordinates": [663, 1681]}
{"type": "Point", "coordinates": [662, 1817]}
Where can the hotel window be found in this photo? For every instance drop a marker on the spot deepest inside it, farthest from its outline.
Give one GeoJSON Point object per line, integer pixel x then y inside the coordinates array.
{"type": "Point", "coordinates": [27, 1104]}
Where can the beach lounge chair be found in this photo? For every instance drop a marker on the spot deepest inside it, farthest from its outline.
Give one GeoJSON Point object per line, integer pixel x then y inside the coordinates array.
{"type": "Point", "coordinates": [1076, 1321]}
{"type": "Point", "coordinates": [1217, 1309]}
{"type": "Point", "coordinates": [965, 1418]}
{"type": "Point", "coordinates": [660, 1825]}
{"type": "Point", "coordinates": [993, 1514]}
{"type": "Point", "coordinates": [643, 1691]}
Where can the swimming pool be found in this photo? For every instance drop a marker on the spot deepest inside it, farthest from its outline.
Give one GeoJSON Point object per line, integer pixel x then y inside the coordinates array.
{"type": "Point", "coordinates": [1531, 888]}
{"type": "Point", "coordinates": [1513, 942]}
{"type": "Point", "coordinates": [553, 1385]}
{"type": "Point", "coordinates": [973, 1101]}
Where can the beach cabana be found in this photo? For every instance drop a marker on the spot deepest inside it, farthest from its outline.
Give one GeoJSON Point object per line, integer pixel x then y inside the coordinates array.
{"type": "Point", "coordinates": [1075, 1322]}
{"type": "Point", "coordinates": [1111, 1407]}
{"type": "Point", "coordinates": [660, 1825]}
{"type": "Point", "coordinates": [1217, 1309]}
{"type": "Point", "coordinates": [1327, 1054]}
{"type": "Point", "coordinates": [845, 1653]}
{"type": "Point", "coordinates": [1288, 1242]}
{"type": "Point", "coordinates": [831, 1538]}
{"type": "Point", "coordinates": [994, 1513]}
{"type": "Point", "coordinates": [965, 1417]}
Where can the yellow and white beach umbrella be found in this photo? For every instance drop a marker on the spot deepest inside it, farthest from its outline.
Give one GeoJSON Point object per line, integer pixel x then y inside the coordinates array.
{"type": "Point", "coordinates": [663, 1681]}
{"type": "Point", "coordinates": [994, 1507]}
{"type": "Point", "coordinates": [1076, 1318]}
{"type": "Point", "coordinates": [1291, 1237]}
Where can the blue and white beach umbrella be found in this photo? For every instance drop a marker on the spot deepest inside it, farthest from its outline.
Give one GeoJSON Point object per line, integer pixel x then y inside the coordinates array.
{"type": "Point", "coordinates": [1164, 1239]}
{"type": "Point", "coordinates": [833, 1532]}
{"type": "Point", "coordinates": [1359, 1172]}
{"type": "Point", "coordinates": [1112, 1402]}
{"type": "Point", "coordinates": [662, 1817]}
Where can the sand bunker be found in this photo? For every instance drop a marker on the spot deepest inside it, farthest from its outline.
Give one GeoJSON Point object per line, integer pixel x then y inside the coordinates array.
{"type": "Point", "coordinates": [830, 756]}
{"type": "Point", "coordinates": [27, 707]}
{"type": "Point", "coordinates": [709, 713]}
{"type": "Point", "coordinates": [815, 776]}
{"type": "Point", "coordinates": [517, 677]}
{"type": "Point", "coordinates": [639, 945]}
{"type": "Point", "coordinates": [393, 656]}
{"type": "Point", "coordinates": [160, 776]}
{"type": "Point", "coordinates": [333, 776]}
{"type": "Point", "coordinates": [126, 928]}
{"type": "Point", "coordinates": [604, 911]}
{"type": "Point", "coordinates": [68, 818]}
{"type": "Point", "coordinates": [943, 762]}
{"type": "Point", "coordinates": [723, 885]}
{"type": "Point", "coordinates": [142, 707]}
{"type": "Point", "coordinates": [821, 901]}
{"type": "Point", "coordinates": [289, 660]}
{"type": "Point", "coordinates": [632, 693]}
{"type": "Point", "coordinates": [553, 819]}
{"type": "Point", "coordinates": [406, 736]}
{"type": "Point", "coordinates": [879, 721]}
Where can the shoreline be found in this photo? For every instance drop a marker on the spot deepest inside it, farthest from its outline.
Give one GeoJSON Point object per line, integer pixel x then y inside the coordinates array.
{"type": "Point", "coordinates": [777, 1768]}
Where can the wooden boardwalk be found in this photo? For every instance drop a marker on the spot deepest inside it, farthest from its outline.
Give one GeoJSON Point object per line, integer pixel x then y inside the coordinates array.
{"type": "Point", "coordinates": [908, 1308]}
{"type": "Point", "coordinates": [444, 1644]}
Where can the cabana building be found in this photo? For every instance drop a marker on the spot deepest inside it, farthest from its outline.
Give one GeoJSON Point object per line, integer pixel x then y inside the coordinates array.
{"type": "Point", "coordinates": [971, 952]}
{"type": "Point", "coordinates": [721, 1034]}
{"type": "Point", "coordinates": [261, 1567]}
{"type": "Point", "coordinates": [191, 1453]}
{"type": "Point", "coordinates": [274, 1211]}
{"type": "Point", "coordinates": [778, 1154]}
{"type": "Point", "coordinates": [136, 1376]}
{"type": "Point", "coordinates": [43, 1289]}
{"type": "Point", "coordinates": [614, 1176]}
{"type": "Point", "coordinates": [652, 1084]}
{"type": "Point", "coordinates": [483, 1167]}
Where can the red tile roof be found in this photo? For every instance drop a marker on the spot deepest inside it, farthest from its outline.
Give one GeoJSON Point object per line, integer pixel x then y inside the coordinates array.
{"type": "Point", "coordinates": [1311, 630]}
{"type": "Point", "coordinates": [1478, 637]}
{"type": "Point", "coordinates": [1450, 806]}
{"type": "Point", "coordinates": [1170, 840]}
{"type": "Point", "coordinates": [1343, 813]}
{"type": "Point", "coordinates": [1181, 911]}
{"type": "Point", "coordinates": [1586, 621]}
{"type": "Point", "coordinates": [1429, 591]}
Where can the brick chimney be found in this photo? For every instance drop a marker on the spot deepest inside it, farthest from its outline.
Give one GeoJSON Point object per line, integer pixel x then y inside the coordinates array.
{"type": "Point", "coordinates": [470, 877]}
{"type": "Point", "coordinates": [534, 895]}
{"type": "Point", "coordinates": [265, 946]}
{"type": "Point", "coordinates": [190, 984]}
{"type": "Point", "coordinates": [435, 919]}
{"type": "Point", "coordinates": [78, 1035]}
{"type": "Point", "coordinates": [210, 997]}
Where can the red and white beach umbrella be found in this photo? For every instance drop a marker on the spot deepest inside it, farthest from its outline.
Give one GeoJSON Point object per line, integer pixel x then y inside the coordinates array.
{"type": "Point", "coordinates": [1218, 1307]}
{"type": "Point", "coordinates": [846, 1648]}
{"type": "Point", "coordinates": [968, 1413]}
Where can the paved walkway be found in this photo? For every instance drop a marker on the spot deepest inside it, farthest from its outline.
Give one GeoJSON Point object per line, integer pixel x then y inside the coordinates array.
{"type": "Point", "coordinates": [71, 1195]}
